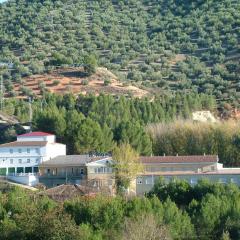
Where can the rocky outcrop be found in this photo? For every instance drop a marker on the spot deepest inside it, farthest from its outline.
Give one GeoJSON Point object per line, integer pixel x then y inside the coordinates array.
{"type": "Point", "coordinates": [203, 116]}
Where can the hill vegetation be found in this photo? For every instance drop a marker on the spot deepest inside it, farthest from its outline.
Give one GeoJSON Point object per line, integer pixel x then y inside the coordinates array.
{"type": "Point", "coordinates": [170, 45]}
{"type": "Point", "coordinates": [90, 123]}
{"type": "Point", "coordinates": [74, 80]}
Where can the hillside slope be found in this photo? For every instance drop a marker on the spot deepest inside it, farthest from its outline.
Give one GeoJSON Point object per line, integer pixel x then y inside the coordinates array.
{"type": "Point", "coordinates": [168, 44]}
{"type": "Point", "coordinates": [66, 80]}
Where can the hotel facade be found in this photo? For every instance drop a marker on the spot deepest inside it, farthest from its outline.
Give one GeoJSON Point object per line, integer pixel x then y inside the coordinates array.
{"type": "Point", "coordinates": [20, 160]}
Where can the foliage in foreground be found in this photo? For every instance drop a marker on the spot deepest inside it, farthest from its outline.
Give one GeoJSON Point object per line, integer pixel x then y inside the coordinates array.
{"type": "Point", "coordinates": [175, 211]}
{"type": "Point", "coordinates": [126, 166]}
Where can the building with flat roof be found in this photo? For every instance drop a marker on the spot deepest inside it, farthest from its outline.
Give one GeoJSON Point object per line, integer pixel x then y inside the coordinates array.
{"type": "Point", "coordinates": [19, 160]}
{"type": "Point", "coordinates": [189, 168]}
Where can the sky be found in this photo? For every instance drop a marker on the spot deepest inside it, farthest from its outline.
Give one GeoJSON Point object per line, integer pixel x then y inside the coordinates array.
{"type": "Point", "coordinates": [2, 1]}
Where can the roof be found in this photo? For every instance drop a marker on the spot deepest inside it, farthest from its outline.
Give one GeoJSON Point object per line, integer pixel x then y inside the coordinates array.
{"type": "Point", "coordinates": [192, 173]}
{"type": "Point", "coordinates": [35, 134]}
{"type": "Point", "coordinates": [67, 191]}
{"type": "Point", "coordinates": [180, 159]}
{"type": "Point", "coordinates": [24, 144]}
{"type": "Point", "coordinates": [70, 160]}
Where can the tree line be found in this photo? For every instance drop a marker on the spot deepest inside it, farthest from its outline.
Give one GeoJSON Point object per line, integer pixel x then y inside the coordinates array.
{"type": "Point", "coordinates": [90, 123]}
{"type": "Point", "coordinates": [99, 123]}
{"type": "Point", "coordinates": [188, 138]}
{"type": "Point", "coordinates": [171, 211]}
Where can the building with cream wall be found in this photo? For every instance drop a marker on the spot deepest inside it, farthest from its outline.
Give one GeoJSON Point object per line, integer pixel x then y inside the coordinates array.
{"type": "Point", "coordinates": [188, 168]}
{"type": "Point", "coordinates": [77, 169]}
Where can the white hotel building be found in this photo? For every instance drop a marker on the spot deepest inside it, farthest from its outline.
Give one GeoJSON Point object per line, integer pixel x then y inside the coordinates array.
{"type": "Point", "coordinates": [19, 160]}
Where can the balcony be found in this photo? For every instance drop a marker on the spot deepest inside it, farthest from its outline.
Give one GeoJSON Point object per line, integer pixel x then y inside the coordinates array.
{"type": "Point", "coordinates": [63, 175]}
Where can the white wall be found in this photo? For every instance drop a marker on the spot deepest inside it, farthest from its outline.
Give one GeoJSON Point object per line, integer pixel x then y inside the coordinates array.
{"type": "Point", "coordinates": [5, 151]}
{"type": "Point", "coordinates": [44, 153]}
{"type": "Point", "coordinates": [33, 155]}
{"type": "Point", "coordinates": [54, 150]}
{"type": "Point", "coordinates": [30, 180]}
{"type": "Point", "coordinates": [50, 139]}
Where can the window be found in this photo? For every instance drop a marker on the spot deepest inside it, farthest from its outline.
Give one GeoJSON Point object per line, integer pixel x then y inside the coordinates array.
{"type": "Point", "coordinates": [28, 150]}
{"type": "Point", "coordinates": [28, 160]}
{"type": "Point", "coordinates": [19, 160]}
{"type": "Point", "coordinates": [11, 161]}
{"type": "Point", "coordinates": [37, 150]}
{"type": "Point", "coordinates": [149, 180]}
{"type": "Point", "coordinates": [28, 170]}
{"type": "Point", "coordinates": [81, 171]}
{"type": "Point", "coordinates": [11, 150]}
{"type": "Point", "coordinates": [20, 170]}
{"type": "Point", "coordinates": [139, 181]}
{"type": "Point", "coordinates": [11, 170]}
{"type": "Point", "coordinates": [37, 160]}
{"type": "Point", "coordinates": [19, 150]}
{"type": "Point", "coordinates": [109, 170]}
{"type": "Point", "coordinates": [101, 170]}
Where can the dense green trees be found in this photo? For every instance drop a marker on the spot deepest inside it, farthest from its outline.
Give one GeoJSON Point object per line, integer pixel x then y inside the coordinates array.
{"type": "Point", "coordinates": [97, 124]}
{"type": "Point", "coordinates": [89, 123]}
{"type": "Point", "coordinates": [174, 210]}
{"type": "Point", "coordinates": [188, 138]}
{"type": "Point", "coordinates": [170, 45]}
{"type": "Point", "coordinates": [213, 208]}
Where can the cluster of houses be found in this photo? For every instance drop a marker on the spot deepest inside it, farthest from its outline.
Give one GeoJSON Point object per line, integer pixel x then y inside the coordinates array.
{"type": "Point", "coordinates": [36, 157]}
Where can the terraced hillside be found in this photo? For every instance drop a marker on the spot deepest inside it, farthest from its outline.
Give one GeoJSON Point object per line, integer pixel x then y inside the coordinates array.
{"type": "Point", "coordinates": [169, 45]}
{"type": "Point", "coordinates": [73, 80]}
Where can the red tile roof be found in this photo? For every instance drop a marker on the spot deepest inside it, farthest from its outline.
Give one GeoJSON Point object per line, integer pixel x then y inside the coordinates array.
{"type": "Point", "coordinates": [35, 134]}
{"type": "Point", "coordinates": [179, 159]}
{"type": "Point", "coordinates": [24, 144]}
